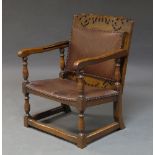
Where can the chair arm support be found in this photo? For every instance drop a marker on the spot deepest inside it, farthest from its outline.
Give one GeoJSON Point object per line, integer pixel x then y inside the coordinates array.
{"type": "Point", "coordinates": [80, 64]}
{"type": "Point", "coordinates": [28, 51]}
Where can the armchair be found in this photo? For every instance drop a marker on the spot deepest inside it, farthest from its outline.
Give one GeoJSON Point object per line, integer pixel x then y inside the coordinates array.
{"type": "Point", "coordinates": [93, 74]}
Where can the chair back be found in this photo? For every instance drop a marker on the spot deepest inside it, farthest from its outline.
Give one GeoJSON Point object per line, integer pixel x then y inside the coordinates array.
{"type": "Point", "coordinates": [92, 35]}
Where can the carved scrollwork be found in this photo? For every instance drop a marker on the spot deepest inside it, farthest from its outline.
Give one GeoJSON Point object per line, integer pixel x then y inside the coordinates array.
{"type": "Point", "coordinates": [84, 20]}
{"type": "Point", "coordinates": [115, 22]}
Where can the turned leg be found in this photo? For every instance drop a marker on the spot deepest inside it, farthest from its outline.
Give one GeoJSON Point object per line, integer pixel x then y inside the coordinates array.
{"type": "Point", "coordinates": [27, 110]}
{"type": "Point", "coordinates": [66, 108]}
{"type": "Point", "coordinates": [26, 104]}
{"type": "Point", "coordinates": [81, 143]}
{"type": "Point", "coordinates": [118, 112]}
{"type": "Point", "coordinates": [81, 126]}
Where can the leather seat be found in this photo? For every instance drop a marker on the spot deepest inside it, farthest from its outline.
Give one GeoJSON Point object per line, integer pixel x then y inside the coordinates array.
{"type": "Point", "coordinates": [65, 89]}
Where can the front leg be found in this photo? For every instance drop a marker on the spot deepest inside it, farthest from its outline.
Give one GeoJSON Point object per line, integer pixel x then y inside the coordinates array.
{"type": "Point", "coordinates": [26, 104]}
{"type": "Point", "coordinates": [81, 107]}
{"type": "Point", "coordinates": [81, 126]}
{"type": "Point", "coordinates": [27, 110]}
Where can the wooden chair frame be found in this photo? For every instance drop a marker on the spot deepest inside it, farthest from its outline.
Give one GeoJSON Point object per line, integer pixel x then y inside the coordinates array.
{"type": "Point", "coordinates": [81, 139]}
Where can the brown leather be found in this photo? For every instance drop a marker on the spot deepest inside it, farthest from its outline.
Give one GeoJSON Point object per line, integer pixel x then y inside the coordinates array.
{"type": "Point", "coordinates": [91, 42]}
{"type": "Point", "coordinates": [67, 89]}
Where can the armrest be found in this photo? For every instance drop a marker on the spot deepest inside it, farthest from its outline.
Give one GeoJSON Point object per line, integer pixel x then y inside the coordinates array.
{"type": "Point", "coordinates": [28, 51]}
{"type": "Point", "coordinates": [80, 64]}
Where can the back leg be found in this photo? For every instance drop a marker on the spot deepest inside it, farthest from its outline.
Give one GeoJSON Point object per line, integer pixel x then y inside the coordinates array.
{"type": "Point", "coordinates": [118, 117]}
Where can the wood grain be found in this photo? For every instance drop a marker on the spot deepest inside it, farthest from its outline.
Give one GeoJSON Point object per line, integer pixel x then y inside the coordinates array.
{"type": "Point", "coordinates": [102, 132]}
{"type": "Point", "coordinates": [28, 51]}
{"type": "Point", "coordinates": [48, 113]}
{"type": "Point", "coordinates": [53, 130]}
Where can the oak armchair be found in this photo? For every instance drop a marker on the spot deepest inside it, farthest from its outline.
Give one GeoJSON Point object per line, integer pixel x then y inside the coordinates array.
{"type": "Point", "coordinates": [93, 74]}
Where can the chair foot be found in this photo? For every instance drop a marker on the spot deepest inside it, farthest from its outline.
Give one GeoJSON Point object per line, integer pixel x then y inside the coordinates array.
{"type": "Point", "coordinates": [118, 112]}
{"type": "Point", "coordinates": [26, 121]}
{"type": "Point", "coordinates": [81, 141]}
{"type": "Point", "coordinates": [66, 108]}
{"type": "Point", "coordinates": [27, 110]}
{"type": "Point", "coordinates": [121, 124]}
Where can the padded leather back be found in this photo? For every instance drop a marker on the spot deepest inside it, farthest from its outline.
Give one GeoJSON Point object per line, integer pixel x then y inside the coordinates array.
{"type": "Point", "coordinates": [90, 43]}
{"type": "Point", "coordinates": [92, 35]}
